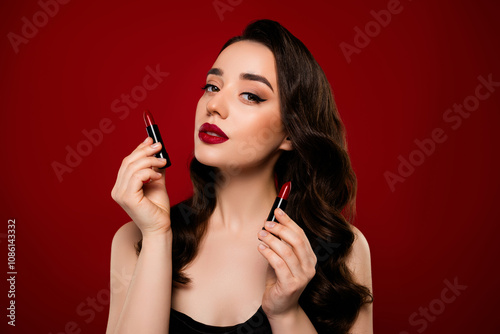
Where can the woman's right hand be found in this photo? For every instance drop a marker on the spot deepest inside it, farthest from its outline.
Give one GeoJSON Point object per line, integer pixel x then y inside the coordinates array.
{"type": "Point", "coordinates": [147, 203]}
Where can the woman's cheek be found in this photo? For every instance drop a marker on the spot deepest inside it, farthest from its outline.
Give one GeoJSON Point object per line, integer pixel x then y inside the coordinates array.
{"type": "Point", "coordinates": [247, 150]}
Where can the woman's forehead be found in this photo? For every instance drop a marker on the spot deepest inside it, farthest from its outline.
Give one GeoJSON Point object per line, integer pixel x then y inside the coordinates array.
{"type": "Point", "coordinates": [247, 57]}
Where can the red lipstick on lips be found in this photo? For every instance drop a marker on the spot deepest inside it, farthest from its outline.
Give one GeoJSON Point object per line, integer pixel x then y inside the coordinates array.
{"type": "Point", "coordinates": [154, 133]}
{"type": "Point", "coordinates": [211, 134]}
{"type": "Point", "coordinates": [280, 201]}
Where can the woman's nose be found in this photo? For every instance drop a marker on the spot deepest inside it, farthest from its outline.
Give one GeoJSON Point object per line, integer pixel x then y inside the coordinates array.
{"type": "Point", "coordinates": [218, 105]}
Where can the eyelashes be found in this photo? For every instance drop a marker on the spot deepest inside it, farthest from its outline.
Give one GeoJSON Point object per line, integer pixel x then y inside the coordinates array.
{"type": "Point", "coordinates": [254, 98]}
{"type": "Point", "coordinates": [209, 88]}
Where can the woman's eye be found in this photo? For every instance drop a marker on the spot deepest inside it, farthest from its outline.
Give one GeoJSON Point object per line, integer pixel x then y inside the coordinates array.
{"type": "Point", "coordinates": [210, 88]}
{"type": "Point", "coordinates": [252, 97]}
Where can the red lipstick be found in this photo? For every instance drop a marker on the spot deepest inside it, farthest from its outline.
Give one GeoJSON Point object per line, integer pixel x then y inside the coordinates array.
{"type": "Point", "coordinates": [280, 201]}
{"type": "Point", "coordinates": [148, 118]}
{"type": "Point", "coordinates": [211, 134]}
{"type": "Point", "coordinates": [154, 133]}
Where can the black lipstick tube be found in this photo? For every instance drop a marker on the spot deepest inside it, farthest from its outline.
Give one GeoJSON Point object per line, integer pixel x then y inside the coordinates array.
{"type": "Point", "coordinates": [154, 132]}
{"type": "Point", "coordinates": [278, 203]}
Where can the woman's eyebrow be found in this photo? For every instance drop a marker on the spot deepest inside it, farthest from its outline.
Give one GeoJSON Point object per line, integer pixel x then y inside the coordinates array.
{"type": "Point", "coordinates": [256, 77]}
{"type": "Point", "coordinates": [243, 76]}
{"type": "Point", "coordinates": [215, 71]}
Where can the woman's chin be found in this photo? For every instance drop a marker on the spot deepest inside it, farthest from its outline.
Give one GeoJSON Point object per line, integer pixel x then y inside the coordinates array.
{"type": "Point", "coordinates": [218, 161]}
{"type": "Point", "coordinates": [208, 158]}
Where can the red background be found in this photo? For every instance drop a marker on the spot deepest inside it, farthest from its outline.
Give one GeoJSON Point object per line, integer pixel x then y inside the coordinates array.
{"type": "Point", "coordinates": [439, 224]}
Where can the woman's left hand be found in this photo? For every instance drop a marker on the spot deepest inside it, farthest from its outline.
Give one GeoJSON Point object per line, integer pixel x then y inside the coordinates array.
{"type": "Point", "coordinates": [293, 265]}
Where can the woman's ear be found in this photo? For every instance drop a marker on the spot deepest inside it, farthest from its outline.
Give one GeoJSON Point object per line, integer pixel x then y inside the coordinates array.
{"type": "Point", "coordinates": [286, 144]}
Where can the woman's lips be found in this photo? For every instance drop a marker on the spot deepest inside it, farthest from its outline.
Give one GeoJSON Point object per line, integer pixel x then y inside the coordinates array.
{"type": "Point", "coordinates": [211, 134]}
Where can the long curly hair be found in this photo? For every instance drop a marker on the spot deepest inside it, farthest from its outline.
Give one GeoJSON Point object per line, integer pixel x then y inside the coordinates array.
{"type": "Point", "coordinates": [323, 200]}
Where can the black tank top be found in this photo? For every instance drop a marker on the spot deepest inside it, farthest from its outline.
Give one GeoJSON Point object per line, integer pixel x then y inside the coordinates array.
{"type": "Point", "coordinates": [183, 324]}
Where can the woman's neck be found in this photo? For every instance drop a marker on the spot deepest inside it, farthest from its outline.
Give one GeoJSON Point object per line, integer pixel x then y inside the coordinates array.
{"type": "Point", "coordinates": [243, 200]}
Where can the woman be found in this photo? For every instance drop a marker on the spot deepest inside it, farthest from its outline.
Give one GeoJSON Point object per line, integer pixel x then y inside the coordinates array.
{"type": "Point", "coordinates": [206, 265]}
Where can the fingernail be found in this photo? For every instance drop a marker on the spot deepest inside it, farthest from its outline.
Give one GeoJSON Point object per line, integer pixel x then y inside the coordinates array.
{"type": "Point", "coordinates": [262, 246]}
{"type": "Point", "coordinates": [162, 160]}
{"type": "Point", "coordinates": [159, 174]}
{"type": "Point", "coordinates": [263, 233]}
{"type": "Point", "coordinates": [280, 212]}
{"type": "Point", "coordinates": [155, 145]}
{"type": "Point", "coordinates": [145, 140]}
{"type": "Point", "coordinates": [270, 224]}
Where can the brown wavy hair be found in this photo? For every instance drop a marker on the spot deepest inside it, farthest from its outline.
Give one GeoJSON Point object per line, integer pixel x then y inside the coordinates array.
{"type": "Point", "coordinates": [322, 202]}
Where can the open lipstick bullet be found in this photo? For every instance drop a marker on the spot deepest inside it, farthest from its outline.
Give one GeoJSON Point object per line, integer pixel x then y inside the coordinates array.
{"type": "Point", "coordinates": [154, 133]}
{"type": "Point", "coordinates": [280, 201]}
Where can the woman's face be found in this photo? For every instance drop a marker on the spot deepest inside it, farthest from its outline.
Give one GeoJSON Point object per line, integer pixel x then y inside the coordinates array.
{"type": "Point", "coordinates": [241, 98]}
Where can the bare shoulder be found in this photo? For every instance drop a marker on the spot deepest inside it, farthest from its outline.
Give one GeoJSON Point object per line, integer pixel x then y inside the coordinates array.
{"type": "Point", "coordinates": [359, 264]}
{"type": "Point", "coordinates": [359, 260]}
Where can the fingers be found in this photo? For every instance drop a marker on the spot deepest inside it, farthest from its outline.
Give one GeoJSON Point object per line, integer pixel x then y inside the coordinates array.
{"type": "Point", "coordinates": [142, 163]}
{"type": "Point", "coordinates": [280, 255]}
{"type": "Point", "coordinates": [130, 157]}
{"type": "Point", "coordinates": [292, 234]}
{"type": "Point", "coordinates": [146, 148]}
{"type": "Point", "coordinates": [138, 178]}
{"type": "Point", "coordinates": [129, 172]}
{"type": "Point", "coordinates": [294, 249]}
{"type": "Point", "coordinates": [140, 159]}
{"type": "Point", "coordinates": [281, 268]}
